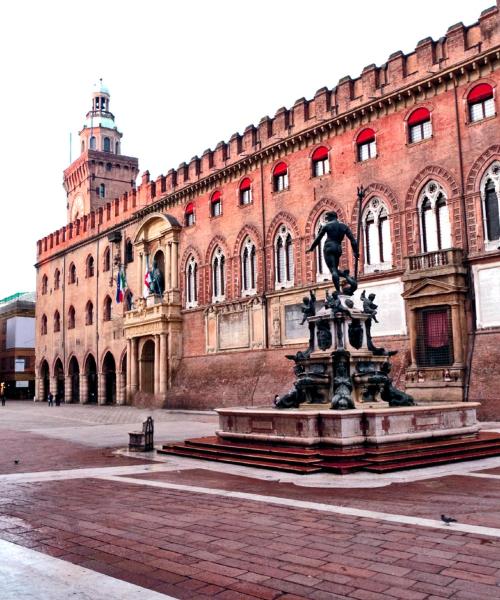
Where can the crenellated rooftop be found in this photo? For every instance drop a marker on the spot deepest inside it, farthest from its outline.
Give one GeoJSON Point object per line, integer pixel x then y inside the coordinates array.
{"type": "Point", "coordinates": [430, 61]}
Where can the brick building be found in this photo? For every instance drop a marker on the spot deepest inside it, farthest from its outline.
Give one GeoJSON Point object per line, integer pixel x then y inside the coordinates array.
{"type": "Point", "coordinates": [17, 345]}
{"type": "Point", "coordinates": [229, 232]}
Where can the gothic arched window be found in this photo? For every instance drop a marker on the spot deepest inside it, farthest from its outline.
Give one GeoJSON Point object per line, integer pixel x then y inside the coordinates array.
{"type": "Point", "coordinates": [71, 318]}
{"type": "Point", "coordinates": [218, 276]}
{"type": "Point", "coordinates": [90, 266]}
{"type": "Point", "coordinates": [191, 283]}
{"type": "Point", "coordinates": [490, 196]}
{"type": "Point", "coordinates": [72, 273]}
{"type": "Point", "coordinates": [283, 261]}
{"type": "Point", "coordinates": [89, 313]}
{"type": "Point", "coordinates": [57, 279]}
{"type": "Point", "coordinates": [43, 325]}
{"type": "Point", "coordinates": [106, 260]}
{"type": "Point", "coordinates": [129, 252]}
{"type": "Point", "coordinates": [434, 218]}
{"type": "Point", "coordinates": [377, 237]}
{"type": "Point", "coordinates": [57, 322]}
{"type": "Point", "coordinates": [45, 284]}
{"type": "Point", "coordinates": [106, 316]}
{"type": "Point", "coordinates": [248, 268]}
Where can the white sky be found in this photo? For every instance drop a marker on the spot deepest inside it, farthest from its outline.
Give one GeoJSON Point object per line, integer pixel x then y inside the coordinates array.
{"type": "Point", "coordinates": [182, 76]}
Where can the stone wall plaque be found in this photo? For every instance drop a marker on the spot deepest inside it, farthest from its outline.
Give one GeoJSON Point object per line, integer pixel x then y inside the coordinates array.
{"type": "Point", "coordinates": [293, 329]}
{"type": "Point", "coordinates": [487, 289]}
{"type": "Point", "coordinates": [234, 330]}
{"type": "Point", "coordinates": [391, 307]}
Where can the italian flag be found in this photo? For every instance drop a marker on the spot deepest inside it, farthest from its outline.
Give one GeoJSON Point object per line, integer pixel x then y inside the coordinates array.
{"type": "Point", "coordinates": [147, 280]}
{"type": "Point", "coordinates": [121, 286]}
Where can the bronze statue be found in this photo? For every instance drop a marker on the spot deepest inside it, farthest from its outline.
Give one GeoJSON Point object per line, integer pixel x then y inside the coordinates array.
{"type": "Point", "coordinates": [335, 232]}
{"type": "Point", "coordinates": [309, 310]}
{"type": "Point", "coordinates": [157, 285]}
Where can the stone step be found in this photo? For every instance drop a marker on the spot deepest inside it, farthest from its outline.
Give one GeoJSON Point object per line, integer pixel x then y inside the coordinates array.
{"type": "Point", "coordinates": [281, 449]}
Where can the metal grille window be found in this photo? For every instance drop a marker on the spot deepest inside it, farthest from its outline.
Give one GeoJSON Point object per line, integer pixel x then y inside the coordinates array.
{"type": "Point", "coordinates": [434, 337]}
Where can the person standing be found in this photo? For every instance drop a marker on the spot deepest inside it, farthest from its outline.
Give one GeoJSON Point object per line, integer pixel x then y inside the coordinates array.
{"type": "Point", "coordinates": [50, 398]}
{"type": "Point", "coordinates": [2, 392]}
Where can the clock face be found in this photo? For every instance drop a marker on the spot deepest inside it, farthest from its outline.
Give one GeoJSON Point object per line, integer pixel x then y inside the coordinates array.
{"type": "Point", "coordinates": [77, 208]}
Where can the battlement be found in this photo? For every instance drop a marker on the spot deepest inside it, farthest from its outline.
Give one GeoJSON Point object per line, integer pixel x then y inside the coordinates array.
{"type": "Point", "coordinates": [429, 59]}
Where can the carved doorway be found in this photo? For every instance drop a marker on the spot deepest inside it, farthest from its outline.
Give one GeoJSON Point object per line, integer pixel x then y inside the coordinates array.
{"type": "Point", "coordinates": [147, 382]}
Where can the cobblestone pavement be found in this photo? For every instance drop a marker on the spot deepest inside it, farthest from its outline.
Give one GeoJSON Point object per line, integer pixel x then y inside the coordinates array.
{"type": "Point", "coordinates": [191, 529]}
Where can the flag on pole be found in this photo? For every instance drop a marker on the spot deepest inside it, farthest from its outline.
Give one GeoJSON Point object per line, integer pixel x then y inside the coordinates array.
{"type": "Point", "coordinates": [121, 286]}
{"type": "Point", "coordinates": [147, 280]}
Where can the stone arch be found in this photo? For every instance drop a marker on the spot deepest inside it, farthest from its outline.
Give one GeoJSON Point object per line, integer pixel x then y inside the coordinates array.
{"type": "Point", "coordinates": [91, 378]}
{"type": "Point", "coordinates": [153, 227]}
{"type": "Point", "coordinates": [108, 370]}
{"type": "Point", "coordinates": [282, 217]}
{"type": "Point", "coordinates": [187, 254]}
{"type": "Point", "coordinates": [481, 164]}
{"type": "Point", "coordinates": [122, 361]}
{"type": "Point", "coordinates": [216, 241]}
{"type": "Point", "coordinates": [385, 193]}
{"type": "Point", "coordinates": [58, 373]}
{"type": "Point", "coordinates": [44, 379]}
{"type": "Point", "coordinates": [412, 224]}
{"type": "Point", "coordinates": [73, 370]}
{"type": "Point", "coordinates": [56, 359]}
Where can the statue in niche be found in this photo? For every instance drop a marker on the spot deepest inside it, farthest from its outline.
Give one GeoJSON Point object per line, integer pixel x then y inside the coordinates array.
{"type": "Point", "coordinates": [309, 310]}
{"type": "Point", "coordinates": [157, 285]}
{"type": "Point", "coordinates": [335, 232]}
{"type": "Point", "coordinates": [371, 309]}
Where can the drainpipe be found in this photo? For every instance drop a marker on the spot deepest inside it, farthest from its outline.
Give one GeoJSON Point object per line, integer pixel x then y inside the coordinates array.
{"type": "Point", "coordinates": [470, 284]}
{"type": "Point", "coordinates": [264, 256]}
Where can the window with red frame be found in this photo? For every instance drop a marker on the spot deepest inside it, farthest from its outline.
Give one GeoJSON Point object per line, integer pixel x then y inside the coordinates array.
{"type": "Point", "coordinates": [367, 145]}
{"type": "Point", "coordinates": [189, 215]}
{"type": "Point", "coordinates": [419, 125]}
{"type": "Point", "coordinates": [216, 204]}
{"type": "Point", "coordinates": [320, 163]}
{"type": "Point", "coordinates": [481, 103]}
{"type": "Point", "coordinates": [280, 177]}
{"type": "Point", "coordinates": [246, 191]}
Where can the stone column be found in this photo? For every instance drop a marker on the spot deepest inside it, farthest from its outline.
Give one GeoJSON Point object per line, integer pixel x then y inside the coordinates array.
{"type": "Point", "coordinates": [458, 353]}
{"type": "Point", "coordinates": [134, 366]}
{"type": "Point", "coordinates": [129, 360]}
{"type": "Point", "coordinates": [68, 396]}
{"type": "Point", "coordinates": [168, 266]}
{"type": "Point", "coordinates": [53, 386]}
{"type": "Point", "coordinates": [163, 365]}
{"type": "Point", "coordinates": [412, 330]}
{"type": "Point", "coordinates": [101, 388]}
{"type": "Point", "coordinates": [175, 278]}
{"type": "Point", "coordinates": [120, 387]}
{"type": "Point", "coordinates": [157, 365]}
{"type": "Point", "coordinates": [84, 388]}
{"type": "Point", "coordinates": [39, 390]}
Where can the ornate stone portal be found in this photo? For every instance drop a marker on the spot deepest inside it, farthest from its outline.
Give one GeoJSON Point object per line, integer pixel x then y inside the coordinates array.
{"type": "Point", "coordinates": [153, 327]}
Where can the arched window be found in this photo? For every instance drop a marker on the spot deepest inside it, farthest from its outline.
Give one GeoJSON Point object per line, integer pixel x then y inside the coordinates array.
{"type": "Point", "coordinates": [57, 279]}
{"type": "Point", "coordinates": [89, 313]}
{"type": "Point", "coordinates": [191, 283]}
{"type": "Point", "coordinates": [189, 218]}
{"type": "Point", "coordinates": [246, 191]}
{"type": "Point", "coordinates": [43, 325]}
{"type": "Point", "coordinates": [248, 268]}
{"type": "Point", "coordinates": [101, 190]}
{"type": "Point", "coordinates": [106, 314]}
{"type": "Point", "coordinates": [92, 143]}
{"type": "Point", "coordinates": [106, 144]}
{"type": "Point", "coordinates": [280, 177]}
{"type": "Point", "coordinates": [71, 318]}
{"type": "Point", "coordinates": [218, 276]}
{"type": "Point", "coordinates": [118, 147]}
{"type": "Point", "coordinates": [216, 204]}
{"type": "Point", "coordinates": [481, 102]}
{"type": "Point", "coordinates": [57, 322]}
{"type": "Point", "coordinates": [419, 125]}
{"type": "Point", "coordinates": [72, 273]}
{"type": "Point", "coordinates": [366, 144]}
{"type": "Point", "coordinates": [377, 233]}
{"type": "Point", "coordinates": [45, 284]}
{"type": "Point", "coordinates": [129, 252]}
{"type": "Point", "coordinates": [490, 195]}
{"type": "Point", "coordinates": [106, 260]}
{"type": "Point", "coordinates": [320, 164]}
{"type": "Point", "coordinates": [90, 266]}
{"type": "Point", "coordinates": [283, 263]}
{"type": "Point", "coordinates": [322, 272]}
{"type": "Point", "coordinates": [434, 218]}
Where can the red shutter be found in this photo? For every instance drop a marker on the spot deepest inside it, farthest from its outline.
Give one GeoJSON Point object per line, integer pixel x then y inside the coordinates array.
{"type": "Point", "coordinates": [246, 184]}
{"type": "Point", "coordinates": [215, 196]}
{"type": "Point", "coordinates": [189, 209]}
{"type": "Point", "coordinates": [320, 153]}
{"type": "Point", "coordinates": [366, 136]}
{"type": "Point", "coordinates": [280, 169]}
{"type": "Point", "coordinates": [483, 91]}
{"type": "Point", "coordinates": [419, 116]}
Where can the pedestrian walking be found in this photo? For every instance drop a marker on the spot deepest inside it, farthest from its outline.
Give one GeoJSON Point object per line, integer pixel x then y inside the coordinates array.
{"type": "Point", "coordinates": [50, 399]}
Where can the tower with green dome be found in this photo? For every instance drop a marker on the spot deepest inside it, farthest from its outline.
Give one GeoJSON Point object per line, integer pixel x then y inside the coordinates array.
{"type": "Point", "coordinates": [101, 173]}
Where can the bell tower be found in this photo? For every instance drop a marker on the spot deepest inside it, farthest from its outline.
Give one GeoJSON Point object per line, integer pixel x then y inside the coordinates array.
{"type": "Point", "coordinates": [101, 173]}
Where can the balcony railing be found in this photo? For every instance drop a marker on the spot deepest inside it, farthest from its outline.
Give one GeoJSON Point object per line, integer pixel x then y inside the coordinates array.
{"type": "Point", "coordinates": [435, 260]}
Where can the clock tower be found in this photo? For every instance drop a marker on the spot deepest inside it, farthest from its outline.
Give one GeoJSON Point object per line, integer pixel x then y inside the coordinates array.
{"type": "Point", "coordinates": [101, 173]}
